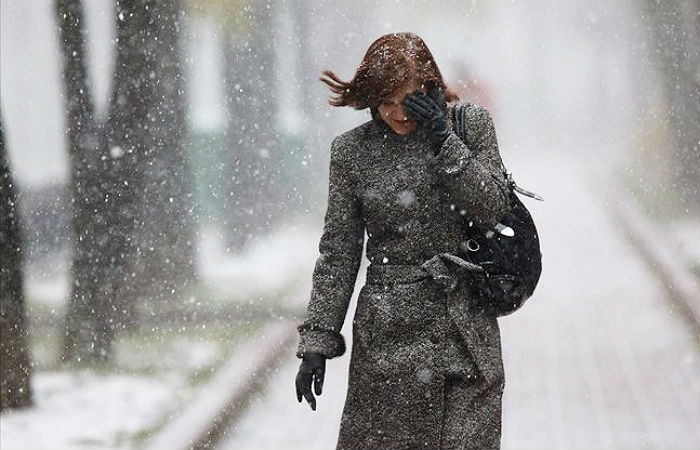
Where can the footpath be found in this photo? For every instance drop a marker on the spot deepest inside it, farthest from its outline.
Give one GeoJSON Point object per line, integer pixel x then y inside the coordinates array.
{"type": "Point", "coordinates": [599, 358]}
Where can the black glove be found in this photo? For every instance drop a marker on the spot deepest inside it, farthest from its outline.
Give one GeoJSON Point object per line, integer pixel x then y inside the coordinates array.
{"type": "Point", "coordinates": [429, 111]}
{"type": "Point", "coordinates": [313, 366]}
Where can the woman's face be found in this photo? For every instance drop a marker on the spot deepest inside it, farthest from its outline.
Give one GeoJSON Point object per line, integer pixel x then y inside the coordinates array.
{"type": "Point", "coordinates": [392, 112]}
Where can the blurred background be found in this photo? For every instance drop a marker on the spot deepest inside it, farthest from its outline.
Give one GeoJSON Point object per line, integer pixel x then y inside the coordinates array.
{"type": "Point", "coordinates": [164, 182]}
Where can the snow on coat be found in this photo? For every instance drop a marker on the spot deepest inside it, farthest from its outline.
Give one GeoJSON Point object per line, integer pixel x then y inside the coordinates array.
{"type": "Point", "coordinates": [409, 202]}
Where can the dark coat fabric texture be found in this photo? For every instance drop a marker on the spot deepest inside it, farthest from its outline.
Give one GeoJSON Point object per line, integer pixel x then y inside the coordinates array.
{"type": "Point", "coordinates": [426, 370]}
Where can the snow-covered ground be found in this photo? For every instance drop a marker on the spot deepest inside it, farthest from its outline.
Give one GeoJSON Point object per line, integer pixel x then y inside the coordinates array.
{"type": "Point", "coordinates": [154, 374]}
{"type": "Point", "coordinates": [114, 407]}
{"type": "Point", "coordinates": [89, 411]}
{"type": "Point", "coordinates": [275, 262]}
{"type": "Point", "coordinates": [270, 263]}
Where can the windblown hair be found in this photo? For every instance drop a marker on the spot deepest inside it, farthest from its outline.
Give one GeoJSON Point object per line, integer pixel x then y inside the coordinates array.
{"type": "Point", "coordinates": [391, 61]}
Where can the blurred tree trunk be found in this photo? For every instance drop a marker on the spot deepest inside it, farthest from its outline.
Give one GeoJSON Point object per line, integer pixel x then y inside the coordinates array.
{"type": "Point", "coordinates": [128, 150]}
{"type": "Point", "coordinates": [253, 191]}
{"type": "Point", "coordinates": [167, 258]}
{"type": "Point", "coordinates": [132, 216]}
{"type": "Point", "coordinates": [307, 162]}
{"type": "Point", "coordinates": [305, 67]}
{"type": "Point", "coordinates": [15, 370]}
{"type": "Point", "coordinates": [89, 324]}
{"type": "Point", "coordinates": [674, 43]}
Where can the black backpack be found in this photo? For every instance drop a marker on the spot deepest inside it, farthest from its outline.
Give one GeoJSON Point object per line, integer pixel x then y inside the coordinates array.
{"type": "Point", "coordinates": [508, 253]}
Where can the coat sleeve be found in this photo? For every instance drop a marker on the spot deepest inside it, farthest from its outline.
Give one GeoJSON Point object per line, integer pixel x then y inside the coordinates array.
{"type": "Point", "coordinates": [471, 172]}
{"type": "Point", "coordinates": [336, 268]}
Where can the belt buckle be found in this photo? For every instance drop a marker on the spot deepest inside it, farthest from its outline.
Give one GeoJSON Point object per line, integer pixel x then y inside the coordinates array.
{"type": "Point", "coordinates": [440, 273]}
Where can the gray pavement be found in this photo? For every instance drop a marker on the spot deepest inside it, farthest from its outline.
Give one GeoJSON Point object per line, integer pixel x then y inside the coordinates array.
{"type": "Point", "coordinates": [598, 358]}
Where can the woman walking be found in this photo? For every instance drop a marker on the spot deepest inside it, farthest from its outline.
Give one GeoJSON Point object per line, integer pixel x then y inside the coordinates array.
{"type": "Point", "coordinates": [425, 369]}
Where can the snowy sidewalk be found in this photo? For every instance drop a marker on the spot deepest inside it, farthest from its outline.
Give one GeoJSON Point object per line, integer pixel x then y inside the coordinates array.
{"type": "Point", "coordinates": [596, 360]}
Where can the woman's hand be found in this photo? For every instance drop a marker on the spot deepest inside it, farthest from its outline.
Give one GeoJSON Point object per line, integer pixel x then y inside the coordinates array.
{"type": "Point", "coordinates": [313, 366]}
{"type": "Point", "coordinates": [428, 110]}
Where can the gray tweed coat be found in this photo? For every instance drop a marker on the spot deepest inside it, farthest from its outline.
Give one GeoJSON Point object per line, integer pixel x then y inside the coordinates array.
{"type": "Point", "coordinates": [410, 335]}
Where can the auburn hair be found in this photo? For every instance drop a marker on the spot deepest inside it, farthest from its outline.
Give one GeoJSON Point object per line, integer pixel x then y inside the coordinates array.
{"type": "Point", "coordinates": [391, 61]}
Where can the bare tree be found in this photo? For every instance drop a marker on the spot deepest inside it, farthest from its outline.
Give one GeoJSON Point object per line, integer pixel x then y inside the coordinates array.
{"type": "Point", "coordinates": [89, 330]}
{"type": "Point", "coordinates": [15, 369]}
{"type": "Point", "coordinates": [132, 214]}
{"type": "Point", "coordinates": [673, 40]}
{"type": "Point", "coordinates": [304, 161]}
{"type": "Point", "coordinates": [167, 246]}
{"type": "Point", "coordinates": [253, 189]}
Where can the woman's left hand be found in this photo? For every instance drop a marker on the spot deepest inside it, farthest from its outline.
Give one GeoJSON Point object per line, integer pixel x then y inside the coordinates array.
{"type": "Point", "coordinates": [312, 369]}
{"type": "Point", "coordinates": [429, 111]}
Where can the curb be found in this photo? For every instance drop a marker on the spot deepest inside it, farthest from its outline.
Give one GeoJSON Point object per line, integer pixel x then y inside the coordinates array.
{"type": "Point", "coordinates": [681, 285]}
{"type": "Point", "coordinates": [220, 401]}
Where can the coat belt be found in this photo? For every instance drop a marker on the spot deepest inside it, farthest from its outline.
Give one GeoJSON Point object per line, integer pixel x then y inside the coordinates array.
{"type": "Point", "coordinates": [395, 273]}
{"type": "Point", "coordinates": [442, 268]}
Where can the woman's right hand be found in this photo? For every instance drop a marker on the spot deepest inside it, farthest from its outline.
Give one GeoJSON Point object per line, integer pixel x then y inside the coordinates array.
{"type": "Point", "coordinates": [313, 367]}
{"type": "Point", "coordinates": [429, 110]}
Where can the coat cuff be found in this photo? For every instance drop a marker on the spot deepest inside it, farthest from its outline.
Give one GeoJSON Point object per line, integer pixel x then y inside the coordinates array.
{"type": "Point", "coordinates": [321, 339]}
{"type": "Point", "coordinates": [452, 155]}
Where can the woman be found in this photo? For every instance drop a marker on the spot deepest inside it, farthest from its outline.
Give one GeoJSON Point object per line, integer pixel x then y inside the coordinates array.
{"type": "Point", "coordinates": [425, 369]}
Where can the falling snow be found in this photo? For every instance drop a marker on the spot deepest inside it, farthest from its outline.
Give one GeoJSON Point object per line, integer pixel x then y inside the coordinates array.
{"type": "Point", "coordinates": [164, 181]}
